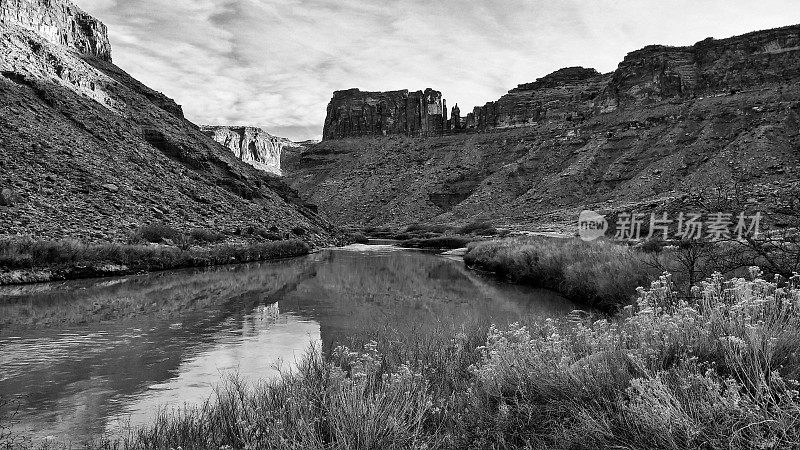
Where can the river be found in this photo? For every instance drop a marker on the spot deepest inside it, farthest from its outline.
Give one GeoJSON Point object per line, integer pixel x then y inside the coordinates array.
{"type": "Point", "coordinates": [84, 358]}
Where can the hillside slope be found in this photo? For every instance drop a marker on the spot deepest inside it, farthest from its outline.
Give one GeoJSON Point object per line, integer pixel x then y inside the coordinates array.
{"type": "Point", "coordinates": [88, 152]}
{"type": "Point", "coordinates": [711, 127]}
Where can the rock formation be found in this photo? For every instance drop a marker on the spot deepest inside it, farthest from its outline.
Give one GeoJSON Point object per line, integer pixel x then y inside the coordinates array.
{"type": "Point", "coordinates": [670, 130]}
{"type": "Point", "coordinates": [87, 152]}
{"type": "Point", "coordinates": [60, 22]}
{"type": "Point", "coordinates": [710, 67]}
{"type": "Point", "coordinates": [252, 145]}
{"type": "Point", "coordinates": [562, 95]}
{"type": "Point", "coordinates": [354, 113]}
{"type": "Point", "coordinates": [652, 74]}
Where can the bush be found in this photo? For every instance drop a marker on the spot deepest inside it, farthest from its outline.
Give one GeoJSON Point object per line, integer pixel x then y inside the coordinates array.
{"type": "Point", "coordinates": [479, 228]}
{"type": "Point", "coordinates": [427, 228]}
{"type": "Point", "coordinates": [653, 245]}
{"type": "Point", "coordinates": [206, 236]}
{"type": "Point", "coordinates": [157, 233]}
{"type": "Point", "coordinates": [440, 243]}
{"type": "Point", "coordinates": [358, 238]}
{"type": "Point", "coordinates": [299, 231]}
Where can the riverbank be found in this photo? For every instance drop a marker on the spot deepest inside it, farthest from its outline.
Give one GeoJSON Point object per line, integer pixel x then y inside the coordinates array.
{"type": "Point", "coordinates": [25, 261]}
{"type": "Point", "coordinates": [716, 371]}
{"type": "Point", "coordinates": [605, 275]}
{"type": "Point", "coordinates": [600, 275]}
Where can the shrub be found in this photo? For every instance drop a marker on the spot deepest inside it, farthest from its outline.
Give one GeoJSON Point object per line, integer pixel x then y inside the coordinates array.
{"type": "Point", "coordinates": [479, 228]}
{"type": "Point", "coordinates": [206, 236]}
{"type": "Point", "coordinates": [427, 228]}
{"type": "Point", "coordinates": [676, 373]}
{"type": "Point", "coordinates": [441, 243]}
{"type": "Point", "coordinates": [157, 232]}
{"type": "Point", "coordinates": [299, 231]}
{"type": "Point", "coordinates": [358, 238]}
{"type": "Point", "coordinates": [652, 245]}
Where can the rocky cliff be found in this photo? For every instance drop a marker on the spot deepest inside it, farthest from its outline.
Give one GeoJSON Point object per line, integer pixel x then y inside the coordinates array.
{"type": "Point", "coordinates": [88, 152]}
{"type": "Point", "coordinates": [710, 67]}
{"type": "Point", "coordinates": [252, 145]}
{"type": "Point", "coordinates": [566, 94]}
{"type": "Point", "coordinates": [713, 125]}
{"type": "Point", "coordinates": [59, 22]}
{"type": "Point", "coordinates": [355, 113]}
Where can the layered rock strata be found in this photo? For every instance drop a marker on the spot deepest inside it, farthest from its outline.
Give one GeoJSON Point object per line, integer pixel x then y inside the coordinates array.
{"type": "Point", "coordinates": [252, 145]}
{"type": "Point", "coordinates": [60, 22]}
{"type": "Point", "coordinates": [353, 113]}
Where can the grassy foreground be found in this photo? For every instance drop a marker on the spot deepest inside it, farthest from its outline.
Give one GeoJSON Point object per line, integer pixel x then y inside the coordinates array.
{"type": "Point", "coordinates": [714, 371]}
{"type": "Point", "coordinates": [27, 260]}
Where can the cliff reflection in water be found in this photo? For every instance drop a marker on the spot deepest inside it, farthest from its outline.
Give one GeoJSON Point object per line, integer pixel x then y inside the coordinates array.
{"type": "Point", "coordinates": [84, 357]}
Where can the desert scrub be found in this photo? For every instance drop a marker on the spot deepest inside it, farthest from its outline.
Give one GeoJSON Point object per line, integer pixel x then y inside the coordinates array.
{"type": "Point", "coordinates": [598, 274]}
{"type": "Point", "coordinates": [715, 371]}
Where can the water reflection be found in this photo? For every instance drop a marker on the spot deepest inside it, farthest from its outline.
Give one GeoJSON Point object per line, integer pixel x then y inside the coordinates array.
{"type": "Point", "coordinates": [85, 357]}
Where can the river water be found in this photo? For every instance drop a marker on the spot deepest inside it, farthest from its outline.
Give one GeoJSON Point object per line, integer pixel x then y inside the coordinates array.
{"type": "Point", "coordinates": [84, 358]}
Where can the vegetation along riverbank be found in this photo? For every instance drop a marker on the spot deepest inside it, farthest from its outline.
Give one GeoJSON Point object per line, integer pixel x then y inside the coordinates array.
{"type": "Point", "coordinates": [714, 370]}
{"type": "Point", "coordinates": [152, 248]}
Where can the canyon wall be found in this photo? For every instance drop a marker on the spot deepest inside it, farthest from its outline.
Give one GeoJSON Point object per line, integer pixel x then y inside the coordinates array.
{"type": "Point", "coordinates": [652, 74]}
{"type": "Point", "coordinates": [87, 152]}
{"type": "Point", "coordinates": [565, 94]}
{"type": "Point", "coordinates": [712, 125]}
{"type": "Point", "coordinates": [353, 113]}
{"type": "Point", "coordinates": [252, 145]}
{"type": "Point", "coordinates": [709, 67]}
{"type": "Point", "coordinates": [60, 22]}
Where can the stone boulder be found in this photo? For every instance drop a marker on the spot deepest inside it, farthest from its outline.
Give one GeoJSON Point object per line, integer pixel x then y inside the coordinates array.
{"type": "Point", "coordinates": [7, 197]}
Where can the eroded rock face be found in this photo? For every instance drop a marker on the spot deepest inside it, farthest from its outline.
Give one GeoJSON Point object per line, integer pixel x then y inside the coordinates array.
{"type": "Point", "coordinates": [353, 113]}
{"type": "Point", "coordinates": [710, 67]}
{"type": "Point", "coordinates": [252, 145]}
{"type": "Point", "coordinates": [87, 152]}
{"type": "Point", "coordinates": [59, 22]}
{"type": "Point", "coordinates": [566, 94]}
{"type": "Point", "coordinates": [669, 127]}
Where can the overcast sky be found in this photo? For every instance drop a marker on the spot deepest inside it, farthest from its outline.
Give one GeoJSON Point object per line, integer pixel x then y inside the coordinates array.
{"type": "Point", "coordinates": [275, 63]}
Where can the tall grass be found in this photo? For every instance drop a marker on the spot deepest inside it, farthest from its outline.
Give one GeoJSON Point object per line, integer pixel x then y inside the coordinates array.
{"type": "Point", "coordinates": [717, 371]}
{"type": "Point", "coordinates": [600, 274]}
{"type": "Point", "coordinates": [70, 256]}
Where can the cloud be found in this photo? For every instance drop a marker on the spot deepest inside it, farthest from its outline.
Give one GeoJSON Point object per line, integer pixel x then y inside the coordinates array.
{"type": "Point", "coordinates": [275, 63]}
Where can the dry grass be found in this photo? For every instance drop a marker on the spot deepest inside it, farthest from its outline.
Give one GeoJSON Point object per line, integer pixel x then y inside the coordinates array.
{"type": "Point", "coordinates": [599, 274]}
{"type": "Point", "coordinates": [66, 255]}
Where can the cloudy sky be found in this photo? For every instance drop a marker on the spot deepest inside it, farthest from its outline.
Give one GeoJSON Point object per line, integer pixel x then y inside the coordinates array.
{"type": "Point", "coordinates": [275, 63]}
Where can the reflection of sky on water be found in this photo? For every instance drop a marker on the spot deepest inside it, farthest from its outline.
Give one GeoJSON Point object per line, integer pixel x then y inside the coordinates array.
{"type": "Point", "coordinates": [266, 342]}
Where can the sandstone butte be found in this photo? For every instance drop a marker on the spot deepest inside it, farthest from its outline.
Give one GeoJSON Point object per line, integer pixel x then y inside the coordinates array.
{"type": "Point", "coordinates": [711, 126]}
{"type": "Point", "coordinates": [88, 152]}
